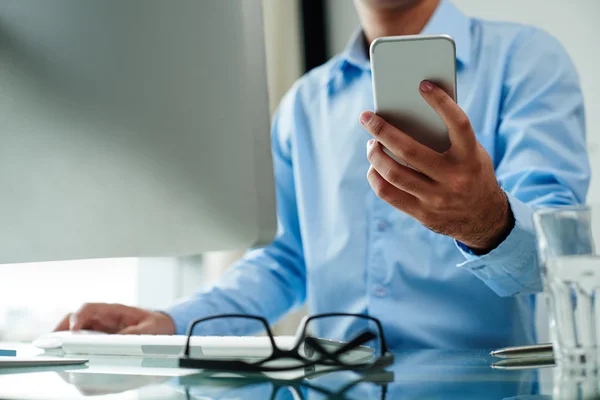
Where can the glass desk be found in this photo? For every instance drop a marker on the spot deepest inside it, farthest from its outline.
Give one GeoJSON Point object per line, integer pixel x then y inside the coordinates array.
{"type": "Point", "coordinates": [423, 374]}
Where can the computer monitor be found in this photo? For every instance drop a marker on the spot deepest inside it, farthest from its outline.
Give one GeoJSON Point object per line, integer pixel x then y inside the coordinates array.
{"type": "Point", "coordinates": [132, 128]}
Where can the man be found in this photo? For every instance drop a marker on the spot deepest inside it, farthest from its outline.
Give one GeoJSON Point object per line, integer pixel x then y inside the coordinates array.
{"type": "Point", "coordinates": [444, 257]}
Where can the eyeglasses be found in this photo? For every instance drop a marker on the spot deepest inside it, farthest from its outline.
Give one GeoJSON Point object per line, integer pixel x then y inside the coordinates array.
{"type": "Point", "coordinates": [259, 385]}
{"type": "Point", "coordinates": [363, 349]}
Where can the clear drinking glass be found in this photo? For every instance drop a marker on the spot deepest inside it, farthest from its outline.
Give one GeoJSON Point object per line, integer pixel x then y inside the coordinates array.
{"type": "Point", "coordinates": [573, 384]}
{"type": "Point", "coordinates": [571, 272]}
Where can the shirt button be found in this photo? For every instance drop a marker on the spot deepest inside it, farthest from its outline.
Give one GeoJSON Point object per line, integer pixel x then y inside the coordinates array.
{"type": "Point", "coordinates": [380, 291]}
{"type": "Point", "coordinates": [382, 225]}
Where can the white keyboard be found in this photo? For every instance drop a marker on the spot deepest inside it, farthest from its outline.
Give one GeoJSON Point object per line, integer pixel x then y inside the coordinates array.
{"type": "Point", "coordinates": [163, 345]}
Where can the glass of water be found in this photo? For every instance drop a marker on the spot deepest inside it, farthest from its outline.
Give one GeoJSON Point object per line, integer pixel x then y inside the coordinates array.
{"type": "Point", "coordinates": [571, 272]}
{"type": "Point", "coordinates": [574, 384]}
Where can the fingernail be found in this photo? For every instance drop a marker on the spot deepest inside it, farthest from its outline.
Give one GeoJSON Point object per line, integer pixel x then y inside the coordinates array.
{"type": "Point", "coordinates": [426, 86]}
{"type": "Point", "coordinates": [366, 117]}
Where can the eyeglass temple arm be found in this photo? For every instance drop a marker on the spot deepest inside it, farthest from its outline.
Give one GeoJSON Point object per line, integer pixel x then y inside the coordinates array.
{"type": "Point", "coordinates": [356, 342]}
{"type": "Point", "coordinates": [314, 343]}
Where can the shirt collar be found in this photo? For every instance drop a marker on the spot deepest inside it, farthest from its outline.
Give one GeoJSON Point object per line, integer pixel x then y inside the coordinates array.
{"type": "Point", "coordinates": [447, 19]}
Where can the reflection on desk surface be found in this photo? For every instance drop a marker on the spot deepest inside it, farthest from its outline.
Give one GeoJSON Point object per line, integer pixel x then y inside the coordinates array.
{"type": "Point", "coordinates": [415, 375]}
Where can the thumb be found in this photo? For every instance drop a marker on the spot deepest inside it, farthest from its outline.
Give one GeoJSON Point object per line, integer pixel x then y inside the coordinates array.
{"type": "Point", "coordinates": [64, 325]}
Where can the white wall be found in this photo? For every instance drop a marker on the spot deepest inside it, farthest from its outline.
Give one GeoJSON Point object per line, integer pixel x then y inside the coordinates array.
{"type": "Point", "coordinates": [573, 22]}
{"type": "Point", "coordinates": [283, 46]}
{"type": "Point", "coordinates": [35, 297]}
{"type": "Point", "coordinates": [342, 21]}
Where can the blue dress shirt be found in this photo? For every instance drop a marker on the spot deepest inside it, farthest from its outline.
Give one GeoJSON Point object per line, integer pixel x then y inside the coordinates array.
{"type": "Point", "coordinates": [340, 248]}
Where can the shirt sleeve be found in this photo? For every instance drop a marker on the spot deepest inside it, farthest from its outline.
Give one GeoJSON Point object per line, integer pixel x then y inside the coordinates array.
{"type": "Point", "coordinates": [541, 153]}
{"type": "Point", "coordinates": [268, 281]}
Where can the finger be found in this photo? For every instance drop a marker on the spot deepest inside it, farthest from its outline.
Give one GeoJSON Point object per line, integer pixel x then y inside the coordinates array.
{"type": "Point", "coordinates": [461, 133]}
{"type": "Point", "coordinates": [101, 326]}
{"type": "Point", "coordinates": [83, 317]}
{"type": "Point", "coordinates": [429, 162]}
{"type": "Point", "coordinates": [392, 195]}
{"type": "Point", "coordinates": [103, 317]}
{"type": "Point", "coordinates": [64, 324]}
{"type": "Point", "coordinates": [145, 327]}
{"type": "Point", "coordinates": [402, 177]}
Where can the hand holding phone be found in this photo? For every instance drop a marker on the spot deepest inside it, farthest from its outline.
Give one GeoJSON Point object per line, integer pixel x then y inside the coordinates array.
{"type": "Point", "coordinates": [451, 186]}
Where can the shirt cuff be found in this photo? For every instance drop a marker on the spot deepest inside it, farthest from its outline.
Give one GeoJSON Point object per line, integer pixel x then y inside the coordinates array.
{"type": "Point", "coordinates": [511, 268]}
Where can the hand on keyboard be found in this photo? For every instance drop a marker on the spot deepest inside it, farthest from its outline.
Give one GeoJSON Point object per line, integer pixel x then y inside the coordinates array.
{"type": "Point", "coordinates": [117, 318]}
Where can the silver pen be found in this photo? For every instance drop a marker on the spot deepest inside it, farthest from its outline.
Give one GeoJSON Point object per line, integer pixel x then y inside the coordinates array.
{"type": "Point", "coordinates": [524, 363]}
{"type": "Point", "coordinates": [536, 350]}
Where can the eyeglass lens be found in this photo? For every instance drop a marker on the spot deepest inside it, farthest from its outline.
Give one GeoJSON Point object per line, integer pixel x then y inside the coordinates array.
{"type": "Point", "coordinates": [336, 334]}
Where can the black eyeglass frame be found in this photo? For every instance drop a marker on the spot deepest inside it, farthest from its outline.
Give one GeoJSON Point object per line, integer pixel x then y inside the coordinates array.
{"type": "Point", "coordinates": [327, 358]}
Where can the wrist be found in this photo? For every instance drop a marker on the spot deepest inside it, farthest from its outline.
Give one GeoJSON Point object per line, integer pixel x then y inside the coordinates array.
{"type": "Point", "coordinates": [498, 228]}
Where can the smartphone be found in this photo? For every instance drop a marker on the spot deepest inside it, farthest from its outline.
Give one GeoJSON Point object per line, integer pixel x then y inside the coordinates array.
{"type": "Point", "coordinates": [399, 64]}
